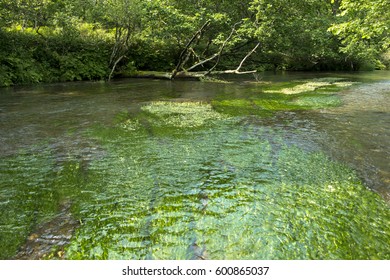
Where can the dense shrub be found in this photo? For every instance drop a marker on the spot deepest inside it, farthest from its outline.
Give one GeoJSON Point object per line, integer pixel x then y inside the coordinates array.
{"type": "Point", "coordinates": [27, 58]}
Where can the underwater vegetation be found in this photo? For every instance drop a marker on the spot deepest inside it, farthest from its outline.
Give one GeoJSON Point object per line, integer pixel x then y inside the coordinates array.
{"type": "Point", "coordinates": [194, 180]}
{"type": "Point", "coordinates": [313, 85]}
{"type": "Point", "coordinates": [182, 114]}
{"type": "Point", "coordinates": [284, 96]}
{"type": "Point", "coordinates": [168, 197]}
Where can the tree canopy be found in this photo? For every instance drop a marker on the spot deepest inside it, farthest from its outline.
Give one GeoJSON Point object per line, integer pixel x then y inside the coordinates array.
{"type": "Point", "coordinates": [60, 40]}
{"type": "Point", "coordinates": [363, 28]}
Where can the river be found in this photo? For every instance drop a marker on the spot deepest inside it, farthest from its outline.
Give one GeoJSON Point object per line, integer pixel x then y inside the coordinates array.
{"type": "Point", "coordinates": [94, 170]}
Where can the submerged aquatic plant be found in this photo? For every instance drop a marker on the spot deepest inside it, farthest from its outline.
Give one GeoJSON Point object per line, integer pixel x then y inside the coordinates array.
{"type": "Point", "coordinates": [226, 190]}
{"type": "Point", "coordinates": [313, 85]}
{"type": "Point", "coordinates": [292, 96]}
{"type": "Point", "coordinates": [230, 192]}
{"type": "Point", "coordinates": [266, 104]}
{"type": "Point", "coordinates": [317, 101]}
{"type": "Point", "coordinates": [130, 124]}
{"type": "Point", "coordinates": [182, 114]}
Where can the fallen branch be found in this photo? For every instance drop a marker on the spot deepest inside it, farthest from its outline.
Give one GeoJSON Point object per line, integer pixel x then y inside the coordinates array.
{"type": "Point", "coordinates": [203, 62]}
{"type": "Point", "coordinates": [198, 75]}
{"type": "Point", "coordinates": [182, 75]}
{"type": "Point", "coordinates": [185, 50]}
{"type": "Point", "coordinates": [237, 70]}
{"type": "Point", "coordinates": [233, 72]}
{"type": "Point", "coordinates": [218, 54]}
{"type": "Point", "coordinates": [246, 57]}
{"type": "Point", "coordinates": [222, 47]}
{"type": "Point", "coordinates": [114, 66]}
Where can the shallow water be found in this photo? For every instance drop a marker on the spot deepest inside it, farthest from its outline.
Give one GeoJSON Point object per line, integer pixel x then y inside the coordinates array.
{"type": "Point", "coordinates": [292, 184]}
{"type": "Point", "coordinates": [360, 134]}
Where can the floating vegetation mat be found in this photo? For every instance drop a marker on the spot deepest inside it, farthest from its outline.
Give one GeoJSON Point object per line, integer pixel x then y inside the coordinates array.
{"type": "Point", "coordinates": [266, 104]}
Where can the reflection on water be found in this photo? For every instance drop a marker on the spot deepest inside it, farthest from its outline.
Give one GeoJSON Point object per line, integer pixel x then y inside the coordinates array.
{"type": "Point", "coordinates": [241, 187]}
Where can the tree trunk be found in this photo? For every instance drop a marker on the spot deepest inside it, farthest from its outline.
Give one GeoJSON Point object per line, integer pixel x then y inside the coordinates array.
{"type": "Point", "coordinates": [122, 37]}
{"type": "Point", "coordinates": [185, 50]}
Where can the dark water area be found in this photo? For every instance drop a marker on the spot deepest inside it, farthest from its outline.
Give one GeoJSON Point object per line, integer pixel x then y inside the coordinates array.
{"type": "Point", "coordinates": [144, 180]}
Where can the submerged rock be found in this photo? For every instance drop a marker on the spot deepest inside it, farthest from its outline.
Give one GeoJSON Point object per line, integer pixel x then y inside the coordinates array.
{"type": "Point", "coordinates": [197, 252]}
{"type": "Point", "coordinates": [49, 238]}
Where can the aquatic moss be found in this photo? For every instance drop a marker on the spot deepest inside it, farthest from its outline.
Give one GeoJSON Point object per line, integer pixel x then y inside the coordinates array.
{"type": "Point", "coordinates": [33, 185]}
{"type": "Point", "coordinates": [330, 211]}
{"type": "Point", "coordinates": [237, 107]}
{"type": "Point", "coordinates": [163, 197]}
{"type": "Point", "coordinates": [130, 124]}
{"type": "Point", "coordinates": [226, 190]}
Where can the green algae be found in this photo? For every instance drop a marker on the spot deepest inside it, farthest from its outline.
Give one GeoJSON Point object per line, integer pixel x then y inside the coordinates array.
{"type": "Point", "coordinates": [265, 104]}
{"type": "Point", "coordinates": [167, 197]}
{"type": "Point", "coordinates": [33, 186]}
{"type": "Point", "coordinates": [312, 101]}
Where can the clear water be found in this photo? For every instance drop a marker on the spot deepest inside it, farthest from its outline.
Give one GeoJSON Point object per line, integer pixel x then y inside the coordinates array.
{"type": "Point", "coordinates": [292, 184]}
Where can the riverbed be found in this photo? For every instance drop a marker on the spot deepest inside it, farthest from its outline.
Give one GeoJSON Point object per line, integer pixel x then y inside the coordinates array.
{"type": "Point", "coordinates": [287, 166]}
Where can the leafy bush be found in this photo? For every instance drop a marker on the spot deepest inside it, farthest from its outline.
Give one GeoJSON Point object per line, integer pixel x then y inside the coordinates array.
{"type": "Point", "coordinates": [27, 58]}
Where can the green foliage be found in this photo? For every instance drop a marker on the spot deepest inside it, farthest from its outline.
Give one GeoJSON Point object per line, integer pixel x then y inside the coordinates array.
{"type": "Point", "coordinates": [18, 65]}
{"type": "Point", "coordinates": [363, 28]}
{"type": "Point", "coordinates": [64, 40]}
{"type": "Point", "coordinates": [150, 53]}
{"type": "Point", "coordinates": [27, 58]}
{"type": "Point", "coordinates": [294, 34]}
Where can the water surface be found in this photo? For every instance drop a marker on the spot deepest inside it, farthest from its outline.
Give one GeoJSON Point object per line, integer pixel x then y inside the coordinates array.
{"type": "Point", "coordinates": [88, 165]}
